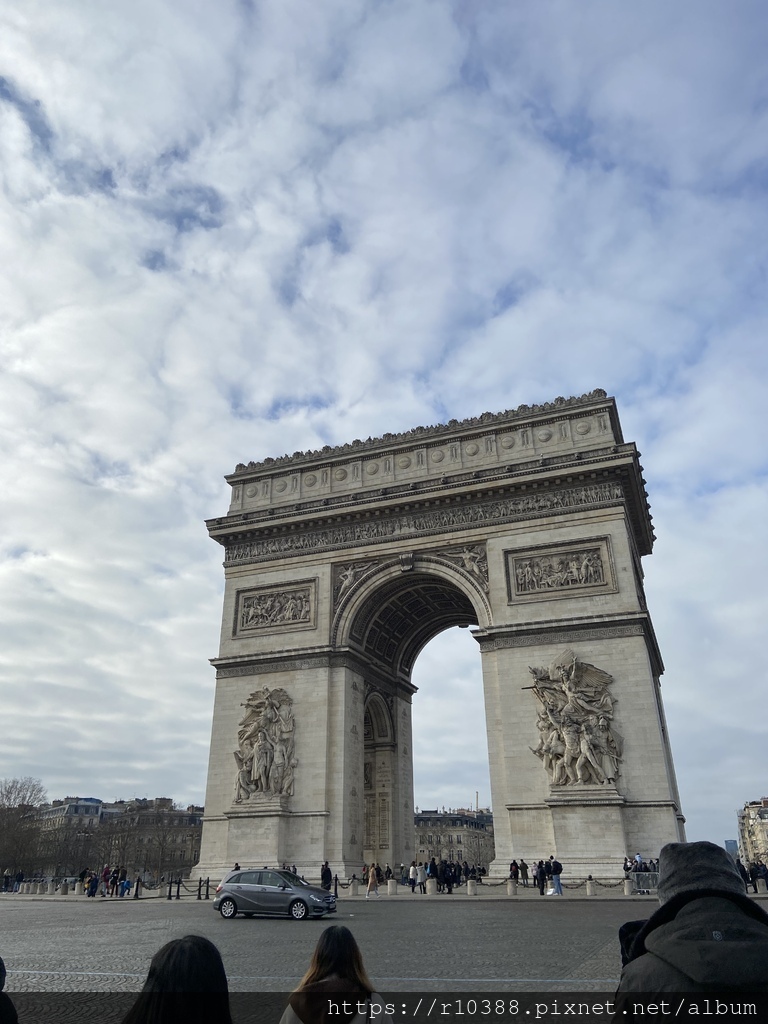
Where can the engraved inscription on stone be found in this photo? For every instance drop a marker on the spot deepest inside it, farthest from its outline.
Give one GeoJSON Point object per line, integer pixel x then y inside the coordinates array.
{"type": "Point", "coordinates": [271, 608]}
{"type": "Point", "coordinates": [265, 755]}
{"type": "Point", "coordinates": [577, 742]}
{"type": "Point", "coordinates": [560, 571]}
{"type": "Point", "coordinates": [383, 822]}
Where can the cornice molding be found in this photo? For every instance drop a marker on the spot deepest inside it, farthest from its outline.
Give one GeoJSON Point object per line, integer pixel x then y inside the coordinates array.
{"type": "Point", "coordinates": [421, 434]}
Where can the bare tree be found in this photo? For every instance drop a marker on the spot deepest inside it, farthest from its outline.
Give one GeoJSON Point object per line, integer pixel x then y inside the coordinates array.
{"type": "Point", "coordinates": [19, 826]}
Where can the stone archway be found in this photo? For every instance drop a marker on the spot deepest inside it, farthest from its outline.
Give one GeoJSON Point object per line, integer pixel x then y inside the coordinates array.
{"type": "Point", "coordinates": [528, 526]}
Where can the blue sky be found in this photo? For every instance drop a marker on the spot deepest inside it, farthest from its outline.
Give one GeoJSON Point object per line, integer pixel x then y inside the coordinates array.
{"type": "Point", "coordinates": [229, 233]}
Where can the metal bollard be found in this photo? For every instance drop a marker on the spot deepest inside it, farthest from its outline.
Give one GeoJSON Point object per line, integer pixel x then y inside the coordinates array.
{"type": "Point", "coordinates": [170, 889]}
{"type": "Point", "coordinates": [178, 887]}
{"type": "Point", "coordinates": [336, 886]}
{"type": "Point", "coordinates": [137, 888]}
{"type": "Point", "coordinates": [199, 888]}
{"type": "Point", "coordinates": [207, 888]}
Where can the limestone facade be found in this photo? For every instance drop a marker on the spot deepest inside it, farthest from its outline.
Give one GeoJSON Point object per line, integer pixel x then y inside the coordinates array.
{"type": "Point", "coordinates": [455, 835]}
{"type": "Point", "coordinates": [753, 832]}
{"type": "Point", "coordinates": [340, 565]}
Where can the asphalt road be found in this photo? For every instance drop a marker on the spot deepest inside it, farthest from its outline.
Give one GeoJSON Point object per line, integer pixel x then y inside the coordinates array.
{"type": "Point", "coordinates": [409, 943]}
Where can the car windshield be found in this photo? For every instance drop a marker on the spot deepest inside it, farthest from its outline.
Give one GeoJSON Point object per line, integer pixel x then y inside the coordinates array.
{"type": "Point", "coordinates": [293, 879]}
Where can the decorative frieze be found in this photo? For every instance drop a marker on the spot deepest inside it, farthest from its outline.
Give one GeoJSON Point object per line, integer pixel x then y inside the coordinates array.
{"type": "Point", "coordinates": [558, 570]}
{"type": "Point", "coordinates": [275, 608]}
{"type": "Point", "coordinates": [440, 519]}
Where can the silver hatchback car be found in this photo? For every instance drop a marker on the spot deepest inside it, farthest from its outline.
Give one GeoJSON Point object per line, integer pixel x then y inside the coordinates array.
{"type": "Point", "coordinates": [271, 892]}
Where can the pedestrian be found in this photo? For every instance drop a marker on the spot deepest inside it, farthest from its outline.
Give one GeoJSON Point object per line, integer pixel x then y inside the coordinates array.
{"type": "Point", "coordinates": [707, 934]}
{"type": "Point", "coordinates": [524, 873]}
{"type": "Point", "coordinates": [336, 970]}
{"type": "Point", "coordinates": [413, 876]}
{"type": "Point", "coordinates": [373, 883]}
{"type": "Point", "coordinates": [422, 878]}
{"type": "Point", "coordinates": [743, 872]}
{"type": "Point", "coordinates": [8, 1013]}
{"type": "Point", "coordinates": [541, 877]}
{"type": "Point", "coordinates": [326, 877]}
{"type": "Point", "coordinates": [556, 869]}
{"type": "Point", "coordinates": [186, 981]}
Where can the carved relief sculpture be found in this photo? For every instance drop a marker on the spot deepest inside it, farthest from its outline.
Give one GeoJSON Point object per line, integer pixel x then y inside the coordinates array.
{"type": "Point", "coordinates": [265, 755]}
{"type": "Point", "coordinates": [579, 568]}
{"type": "Point", "coordinates": [408, 524]}
{"type": "Point", "coordinates": [472, 558]}
{"type": "Point", "coordinates": [577, 742]}
{"type": "Point", "coordinates": [560, 571]}
{"type": "Point", "coordinates": [291, 606]}
{"type": "Point", "coordinates": [274, 609]}
{"type": "Point", "coordinates": [346, 576]}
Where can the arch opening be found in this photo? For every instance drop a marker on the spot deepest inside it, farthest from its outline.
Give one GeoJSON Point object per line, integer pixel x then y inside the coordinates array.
{"type": "Point", "coordinates": [402, 615]}
{"type": "Point", "coordinates": [393, 623]}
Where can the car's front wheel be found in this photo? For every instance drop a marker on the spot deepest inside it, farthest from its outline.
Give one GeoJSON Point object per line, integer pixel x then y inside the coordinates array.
{"type": "Point", "coordinates": [299, 910]}
{"type": "Point", "coordinates": [228, 909]}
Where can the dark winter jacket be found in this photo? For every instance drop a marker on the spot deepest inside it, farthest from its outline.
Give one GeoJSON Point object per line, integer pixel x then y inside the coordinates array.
{"type": "Point", "coordinates": [707, 934]}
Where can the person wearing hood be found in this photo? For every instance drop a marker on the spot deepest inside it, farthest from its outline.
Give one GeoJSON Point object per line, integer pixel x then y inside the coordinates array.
{"type": "Point", "coordinates": [336, 988]}
{"type": "Point", "coordinates": [707, 933]}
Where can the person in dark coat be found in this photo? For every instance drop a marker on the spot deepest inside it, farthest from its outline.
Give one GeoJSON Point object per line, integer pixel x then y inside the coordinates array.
{"type": "Point", "coordinates": [8, 1013]}
{"type": "Point", "coordinates": [541, 877]}
{"type": "Point", "coordinates": [326, 877]}
{"type": "Point", "coordinates": [707, 933]}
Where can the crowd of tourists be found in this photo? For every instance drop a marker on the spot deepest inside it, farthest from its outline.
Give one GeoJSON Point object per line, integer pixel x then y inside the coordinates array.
{"type": "Point", "coordinates": [447, 874]}
{"type": "Point", "coordinates": [545, 875]}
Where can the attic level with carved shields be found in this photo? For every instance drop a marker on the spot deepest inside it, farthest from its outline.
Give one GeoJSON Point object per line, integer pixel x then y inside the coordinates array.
{"type": "Point", "coordinates": [528, 526]}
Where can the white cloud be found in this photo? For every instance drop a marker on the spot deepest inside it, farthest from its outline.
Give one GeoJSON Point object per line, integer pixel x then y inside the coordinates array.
{"type": "Point", "coordinates": [231, 233]}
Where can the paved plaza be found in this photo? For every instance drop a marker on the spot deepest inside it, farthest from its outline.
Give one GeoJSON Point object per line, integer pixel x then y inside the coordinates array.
{"type": "Point", "coordinates": [410, 943]}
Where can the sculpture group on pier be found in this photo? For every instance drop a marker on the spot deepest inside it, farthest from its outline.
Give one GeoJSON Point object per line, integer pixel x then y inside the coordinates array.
{"type": "Point", "coordinates": [265, 755]}
{"type": "Point", "coordinates": [578, 744]}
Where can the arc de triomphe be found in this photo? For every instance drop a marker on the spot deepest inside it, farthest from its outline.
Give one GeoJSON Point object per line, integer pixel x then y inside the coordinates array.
{"type": "Point", "coordinates": [528, 526]}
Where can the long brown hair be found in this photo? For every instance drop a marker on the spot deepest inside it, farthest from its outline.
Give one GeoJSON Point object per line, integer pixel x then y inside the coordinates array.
{"type": "Point", "coordinates": [337, 953]}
